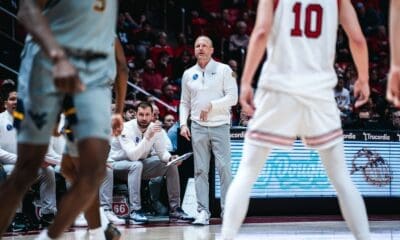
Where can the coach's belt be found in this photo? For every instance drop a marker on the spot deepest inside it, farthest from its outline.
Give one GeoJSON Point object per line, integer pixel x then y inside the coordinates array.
{"type": "Point", "coordinates": [86, 55]}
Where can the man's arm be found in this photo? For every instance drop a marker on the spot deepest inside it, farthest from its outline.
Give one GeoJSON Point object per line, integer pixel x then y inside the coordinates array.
{"type": "Point", "coordinates": [255, 52]}
{"type": "Point", "coordinates": [65, 75]}
{"type": "Point", "coordinates": [142, 149]}
{"type": "Point", "coordinates": [358, 48]}
{"type": "Point", "coordinates": [161, 146]}
{"type": "Point", "coordinates": [133, 151]}
{"type": "Point", "coordinates": [7, 157]}
{"type": "Point", "coordinates": [184, 107]}
{"type": "Point", "coordinates": [230, 90]}
{"type": "Point", "coordinates": [393, 88]}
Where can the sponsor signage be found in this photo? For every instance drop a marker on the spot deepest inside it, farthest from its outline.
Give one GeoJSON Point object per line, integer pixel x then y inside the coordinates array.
{"type": "Point", "coordinates": [372, 157]}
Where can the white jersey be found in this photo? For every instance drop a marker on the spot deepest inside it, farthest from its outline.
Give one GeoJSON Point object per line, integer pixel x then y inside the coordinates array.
{"type": "Point", "coordinates": [301, 49]}
{"type": "Point", "coordinates": [71, 18]}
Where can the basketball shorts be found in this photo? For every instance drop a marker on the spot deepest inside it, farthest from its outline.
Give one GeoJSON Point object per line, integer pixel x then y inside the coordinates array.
{"type": "Point", "coordinates": [40, 103]}
{"type": "Point", "coordinates": [280, 118]}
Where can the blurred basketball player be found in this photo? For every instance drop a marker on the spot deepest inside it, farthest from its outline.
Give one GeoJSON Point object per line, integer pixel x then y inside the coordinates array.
{"type": "Point", "coordinates": [295, 98]}
{"type": "Point", "coordinates": [70, 159]}
{"type": "Point", "coordinates": [68, 52]}
{"type": "Point", "coordinates": [393, 88]}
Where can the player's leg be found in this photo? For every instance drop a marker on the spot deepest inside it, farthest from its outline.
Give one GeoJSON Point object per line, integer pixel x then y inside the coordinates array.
{"type": "Point", "coordinates": [237, 198]}
{"type": "Point", "coordinates": [69, 170]}
{"type": "Point", "coordinates": [85, 189]}
{"type": "Point", "coordinates": [350, 200]}
{"type": "Point", "coordinates": [92, 215]}
{"type": "Point", "coordinates": [323, 126]}
{"type": "Point", "coordinates": [92, 132]}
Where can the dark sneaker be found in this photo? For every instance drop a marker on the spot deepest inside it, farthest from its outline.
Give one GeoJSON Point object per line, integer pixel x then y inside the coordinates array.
{"type": "Point", "coordinates": [112, 233]}
{"type": "Point", "coordinates": [18, 224]}
{"type": "Point", "coordinates": [137, 217]}
{"type": "Point", "coordinates": [179, 216]}
{"type": "Point", "coordinates": [47, 219]}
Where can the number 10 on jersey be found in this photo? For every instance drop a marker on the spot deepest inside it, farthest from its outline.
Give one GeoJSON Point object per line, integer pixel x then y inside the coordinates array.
{"type": "Point", "coordinates": [312, 24]}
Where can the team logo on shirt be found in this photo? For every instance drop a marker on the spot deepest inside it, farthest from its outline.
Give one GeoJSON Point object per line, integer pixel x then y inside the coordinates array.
{"type": "Point", "coordinates": [137, 140]}
{"type": "Point", "coordinates": [195, 76]}
{"type": "Point", "coordinates": [9, 127]}
{"type": "Point", "coordinates": [38, 118]}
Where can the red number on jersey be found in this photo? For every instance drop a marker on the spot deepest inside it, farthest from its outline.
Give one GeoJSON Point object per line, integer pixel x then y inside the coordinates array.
{"type": "Point", "coordinates": [313, 15]}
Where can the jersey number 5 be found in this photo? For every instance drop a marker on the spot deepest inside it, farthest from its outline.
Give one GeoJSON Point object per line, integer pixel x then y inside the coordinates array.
{"type": "Point", "coordinates": [312, 23]}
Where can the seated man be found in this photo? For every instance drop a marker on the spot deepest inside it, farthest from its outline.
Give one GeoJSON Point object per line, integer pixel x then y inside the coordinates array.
{"type": "Point", "coordinates": [130, 152]}
{"type": "Point", "coordinates": [8, 157]}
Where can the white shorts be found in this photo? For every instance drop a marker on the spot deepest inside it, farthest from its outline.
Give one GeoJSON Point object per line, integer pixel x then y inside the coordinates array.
{"type": "Point", "coordinates": [280, 118]}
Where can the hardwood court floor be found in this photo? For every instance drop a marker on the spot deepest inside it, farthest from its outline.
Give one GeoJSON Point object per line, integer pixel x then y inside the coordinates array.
{"type": "Point", "coordinates": [255, 229]}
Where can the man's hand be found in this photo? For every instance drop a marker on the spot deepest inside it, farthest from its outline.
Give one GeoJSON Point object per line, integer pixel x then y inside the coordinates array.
{"type": "Point", "coordinates": [361, 92]}
{"type": "Point", "coordinates": [393, 86]}
{"type": "Point", "coordinates": [173, 157]}
{"type": "Point", "coordinates": [117, 124]}
{"type": "Point", "coordinates": [152, 129]}
{"type": "Point", "coordinates": [65, 75]}
{"type": "Point", "coordinates": [185, 132]}
{"type": "Point", "coordinates": [246, 99]}
{"type": "Point", "coordinates": [204, 112]}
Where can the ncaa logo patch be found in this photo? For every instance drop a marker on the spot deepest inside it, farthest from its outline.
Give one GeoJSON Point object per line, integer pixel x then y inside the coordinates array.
{"type": "Point", "coordinates": [195, 76]}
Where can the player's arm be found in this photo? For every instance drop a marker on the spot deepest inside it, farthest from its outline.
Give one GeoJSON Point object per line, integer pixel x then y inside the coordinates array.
{"type": "Point", "coordinates": [393, 88]}
{"type": "Point", "coordinates": [395, 33]}
{"type": "Point", "coordinates": [120, 88]}
{"type": "Point", "coordinates": [358, 47]}
{"type": "Point", "coordinates": [30, 15]}
{"type": "Point", "coordinates": [255, 52]}
{"type": "Point", "coordinates": [66, 77]}
{"type": "Point", "coordinates": [121, 79]}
